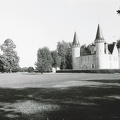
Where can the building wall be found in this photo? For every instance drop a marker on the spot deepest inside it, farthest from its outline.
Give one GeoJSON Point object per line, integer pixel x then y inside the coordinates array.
{"type": "Point", "coordinates": [107, 61]}
{"type": "Point", "coordinates": [87, 62]}
{"type": "Point", "coordinates": [113, 62]}
{"type": "Point", "coordinates": [76, 65]}
{"type": "Point", "coordinates": [102, 61]}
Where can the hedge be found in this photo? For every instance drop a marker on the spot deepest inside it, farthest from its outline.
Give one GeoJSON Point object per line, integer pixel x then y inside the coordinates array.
{"type": "Point", "coordinates": [89, 71]}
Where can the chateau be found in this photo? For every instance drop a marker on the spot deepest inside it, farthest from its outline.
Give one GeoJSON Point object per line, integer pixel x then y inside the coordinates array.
{"type": "Point", "coordinates": [102, 56]}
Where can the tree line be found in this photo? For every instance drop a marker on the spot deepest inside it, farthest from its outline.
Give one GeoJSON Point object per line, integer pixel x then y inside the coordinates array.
{"type": "Point", "coordinates": [46, 59]}
{"type": "Point", "coordinates": [61, 57]}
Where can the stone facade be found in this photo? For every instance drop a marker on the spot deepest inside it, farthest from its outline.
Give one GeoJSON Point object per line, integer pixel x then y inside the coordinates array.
{"type": "Point", "coordinates": [103, 55]}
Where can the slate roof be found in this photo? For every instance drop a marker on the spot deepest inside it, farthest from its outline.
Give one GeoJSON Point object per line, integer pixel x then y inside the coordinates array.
{"type": "Point", "coordinates": [99, 35]}
{"type": "Point", "coordinates": [111, 47]}
{"type": "Point", "coordinates": [75, 40]}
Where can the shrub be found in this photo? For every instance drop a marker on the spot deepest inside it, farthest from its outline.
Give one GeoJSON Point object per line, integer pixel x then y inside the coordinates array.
{"type": "Point", "coordinates": [30, 69]}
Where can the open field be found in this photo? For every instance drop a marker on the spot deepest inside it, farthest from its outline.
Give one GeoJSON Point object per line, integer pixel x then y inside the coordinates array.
{"type": "Point", "coordinates": [63, 96]}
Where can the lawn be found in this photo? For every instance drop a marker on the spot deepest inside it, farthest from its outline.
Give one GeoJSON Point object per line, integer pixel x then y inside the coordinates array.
{"type": "Point", "coordinates": [60, 96]}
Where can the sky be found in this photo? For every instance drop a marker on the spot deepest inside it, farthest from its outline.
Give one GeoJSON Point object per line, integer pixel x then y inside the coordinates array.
{"type": "Point", "coordinates": [33, 24]}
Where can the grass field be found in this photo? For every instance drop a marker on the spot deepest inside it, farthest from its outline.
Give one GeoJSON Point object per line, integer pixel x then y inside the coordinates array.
{"type": "Point", "coordinates": [62, 96]}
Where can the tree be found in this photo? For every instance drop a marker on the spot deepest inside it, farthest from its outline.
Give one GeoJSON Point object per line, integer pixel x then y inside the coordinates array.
{"type": "Point", "coordinates": [30, 69]}
{"type": "Point", "coordinates": [69, 57]}
{"type": "Point", "coordinates": [65, 53]}
{"type": "Point", "coordinates": [9, 58]}
{"type": "Point", "coordinates": [56, 59]}
{"type": "Point", "coordinates": [24, 69]}
{"type": "Point", "coordinates": [118, 11]}
{"type": "Point", "coordinates": [44, 60]}
{"type": "Point", "coordinates": [85, 50]}
{"type": "Point", "coordinates": [4, 65]}
{"type": "Point", "coordinates": [118, 43]}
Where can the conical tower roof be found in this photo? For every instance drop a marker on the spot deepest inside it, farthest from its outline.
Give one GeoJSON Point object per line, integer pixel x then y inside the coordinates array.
{"type": "Point", "coordinates": [99, 35]}
{"type": "Point", "coordinates": [75, 40]}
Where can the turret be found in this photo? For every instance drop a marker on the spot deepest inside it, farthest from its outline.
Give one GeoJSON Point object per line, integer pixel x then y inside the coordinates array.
{"type": "Point", "coordinates": [99, 41]}
{"type": "Point", "coordinates": [100, 48]}
{"type": "Point", "coordinates": [75, 52]}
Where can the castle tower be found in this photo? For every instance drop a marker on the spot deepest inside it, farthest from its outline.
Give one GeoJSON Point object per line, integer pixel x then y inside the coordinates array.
{"type": "Point", "coordinates": [75, 52]}
{"type": "Point", "coordinates": [100, 48]}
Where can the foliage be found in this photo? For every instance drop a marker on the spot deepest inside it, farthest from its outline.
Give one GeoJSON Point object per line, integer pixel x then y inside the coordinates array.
{"type": "Point", "coordinates": [23, 69]}
{"type": "Point", "coordinates": [4, 64]}
{"type": "Point", "coordinates": [9, 59]}
{"type": "Point", "coordinates": [69, 57]}
{"type": "Point", "coordinates": [118, 43]}
{"type": "Point", "coordinates": [85, 50]}
{"type": "Point", "coordinates": [56, 59]}
{"type": "Point", "coordinates": [65, 53]}
{"type": "Point", "coordinates": [118, 11]}
{"type": "Point", "coordinates": [30, 69]}
{"type": "Point", "coordinates": [44, 60]}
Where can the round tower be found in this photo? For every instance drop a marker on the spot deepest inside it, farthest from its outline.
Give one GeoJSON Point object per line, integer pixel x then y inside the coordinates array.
{"type": "Point", "coordinates": [75, 52]}
{"type": "Point", "coordinates": [100, 48]}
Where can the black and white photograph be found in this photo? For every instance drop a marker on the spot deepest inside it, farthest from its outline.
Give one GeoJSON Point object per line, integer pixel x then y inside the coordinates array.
{"type": "Point", "coordinates": [59, 59]}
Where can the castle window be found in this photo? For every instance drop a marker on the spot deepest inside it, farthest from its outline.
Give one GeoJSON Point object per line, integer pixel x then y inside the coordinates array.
{"type": "Point", "coordinates": [92, 66]}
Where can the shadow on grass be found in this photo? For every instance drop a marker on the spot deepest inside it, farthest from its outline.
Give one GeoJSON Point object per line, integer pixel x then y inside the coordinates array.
{"type": "Point", "coordinates": [72, 103]}
{"type": "Point", "coordinates": [106, 81]}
